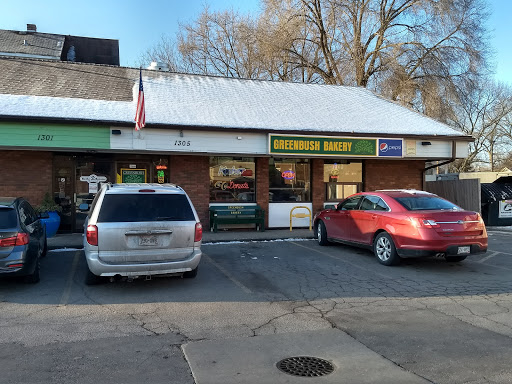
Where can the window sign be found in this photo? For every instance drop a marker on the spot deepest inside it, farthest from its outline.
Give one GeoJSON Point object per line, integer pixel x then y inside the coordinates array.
{"type": "Point", "coordinates": [133, 175]}
{"type": "Point", "coordinates": [232, 179]}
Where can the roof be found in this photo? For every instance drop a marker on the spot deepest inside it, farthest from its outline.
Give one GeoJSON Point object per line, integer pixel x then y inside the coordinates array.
{"type": "Point", "coordinates": [495, 191]}
{"type": "Point", "coordinates": [93, 93]}
{"type": "Point", "coordinates": [31, 43]}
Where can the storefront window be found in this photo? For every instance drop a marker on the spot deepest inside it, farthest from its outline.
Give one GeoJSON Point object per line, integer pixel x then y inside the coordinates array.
{"type": "Point", "coordinates": [232, 179]}
{"type": "Point", "coordinates": [289, 180]}
{"type": "Point", "coordinates": [342, 178]}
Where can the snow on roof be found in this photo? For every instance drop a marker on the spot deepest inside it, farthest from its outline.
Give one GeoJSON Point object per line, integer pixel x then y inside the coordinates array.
{"type": "Point", "coordinates": [207, 101]}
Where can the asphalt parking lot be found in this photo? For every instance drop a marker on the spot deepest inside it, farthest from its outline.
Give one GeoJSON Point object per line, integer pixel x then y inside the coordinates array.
{"type": "Point", "coordinates": [254, 303]}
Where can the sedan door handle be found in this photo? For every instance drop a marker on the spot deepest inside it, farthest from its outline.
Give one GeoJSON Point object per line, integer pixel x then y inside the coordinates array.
{"type": "Point", "coordinates": [374, 216]}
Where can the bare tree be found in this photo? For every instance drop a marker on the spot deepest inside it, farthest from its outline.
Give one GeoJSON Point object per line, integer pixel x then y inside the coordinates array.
{"type": "Point", "coordinates": [223, 43]}
{"type": "Point", "coordinates": [484, 111]}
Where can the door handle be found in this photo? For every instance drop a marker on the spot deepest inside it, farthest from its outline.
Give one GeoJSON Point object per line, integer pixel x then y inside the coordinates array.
{"type": "Point", "coordinates": [374, 216]}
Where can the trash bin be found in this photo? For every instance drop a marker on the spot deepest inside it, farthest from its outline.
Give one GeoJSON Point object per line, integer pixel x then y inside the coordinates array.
{"type": "Point", "coordinates": [497, 203]}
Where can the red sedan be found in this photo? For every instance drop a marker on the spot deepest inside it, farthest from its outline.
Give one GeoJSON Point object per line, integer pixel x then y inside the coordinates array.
{"type": "Point", "coordinates": [401, 224]}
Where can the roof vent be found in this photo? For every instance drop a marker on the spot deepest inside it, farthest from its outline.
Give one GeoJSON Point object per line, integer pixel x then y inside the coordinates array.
{"type": "Point", "coordinates": [159, 66]}
{"type": "Point", "coordinates": [31, 28]}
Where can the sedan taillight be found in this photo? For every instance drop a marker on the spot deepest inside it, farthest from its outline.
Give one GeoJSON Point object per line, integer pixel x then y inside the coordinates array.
{"type": "Point", "coordinates": [421, 222]}
{"type": "Point", "coordinates": [19, 239]}
{"type": "Point", "coordinates": [92, 235]}
{"type": "Point", "coordinates": [199, 232]}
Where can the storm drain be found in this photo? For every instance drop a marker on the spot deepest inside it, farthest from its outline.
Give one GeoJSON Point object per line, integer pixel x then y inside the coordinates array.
{"type": "Point", "coordinates": [305, 366]}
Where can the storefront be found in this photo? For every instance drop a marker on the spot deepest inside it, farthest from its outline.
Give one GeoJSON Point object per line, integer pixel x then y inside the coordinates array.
{"type": "Point", "coordinates": [223, 140]}
{"type": "Point", "coordinates": [278, 173]}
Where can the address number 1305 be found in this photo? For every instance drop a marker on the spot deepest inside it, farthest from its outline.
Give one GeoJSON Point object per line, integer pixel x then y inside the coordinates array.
{"type": "Point", "coordinates": [182, 143]}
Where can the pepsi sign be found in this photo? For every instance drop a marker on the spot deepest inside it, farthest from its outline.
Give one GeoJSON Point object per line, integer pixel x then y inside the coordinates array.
{"type": "Point", "coordinates": [390, 147]}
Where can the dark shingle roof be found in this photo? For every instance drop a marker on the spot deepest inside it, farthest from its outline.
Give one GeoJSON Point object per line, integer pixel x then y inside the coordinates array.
{"type": "Point", "coordinates": [64, 79]}
{"type": "Point", "coordinates": [31, 43]}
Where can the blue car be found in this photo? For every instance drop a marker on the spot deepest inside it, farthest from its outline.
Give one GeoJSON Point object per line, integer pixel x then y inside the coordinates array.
{"type": "Point", "coordinates": [22, 239]}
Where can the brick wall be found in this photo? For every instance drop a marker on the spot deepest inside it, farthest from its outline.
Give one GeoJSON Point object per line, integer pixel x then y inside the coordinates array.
{"type": "Point", "coordinates": [318, 185]}
{"type": "Point", "coordinates": [391, 174]}
{"type": "Point", "coordinates": [262, 185]}
{"type": "Point", "coordinates": [27, 174]}
{"type": "Point", "coordinates": [192, 173]}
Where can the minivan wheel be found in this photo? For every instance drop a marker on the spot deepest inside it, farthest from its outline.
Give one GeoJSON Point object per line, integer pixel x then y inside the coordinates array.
{"type": "Point", "coordinates": [91, 278]}
{"type": "Point", "coordinates": [191, 274]}
{"type": "Point", "coordinates": [321, 234]}
{"type": "Point", "coordinates": [455, 259]}
{"type": "Point", "coordinates": [34, 277]}
{"type": "Point", "coordinates": [385, 250]}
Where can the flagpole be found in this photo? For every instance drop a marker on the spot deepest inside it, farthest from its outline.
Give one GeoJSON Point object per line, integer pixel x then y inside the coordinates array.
{"type": "Point", "coordinates": [140, 113]}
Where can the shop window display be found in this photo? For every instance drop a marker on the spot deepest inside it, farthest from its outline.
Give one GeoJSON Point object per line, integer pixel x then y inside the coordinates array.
{"type": "Point", "coordinates": [342, 178]}
{"type": "Point", "coordinates": [289, 180]}
{"type": "Point", "coordinates": [232, 179]}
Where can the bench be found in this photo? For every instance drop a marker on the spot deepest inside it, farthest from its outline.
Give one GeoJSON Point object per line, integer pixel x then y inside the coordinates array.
{"type": "Point", "coordinates": [237, 214]}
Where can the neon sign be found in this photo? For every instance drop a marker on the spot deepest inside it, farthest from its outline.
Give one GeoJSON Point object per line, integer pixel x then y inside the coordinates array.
{"type": "Point", "coordinates": [288, 175]}
{"type": "Point", "coordinates": [231, 185]}
{"type": "Point", "coordinates": [225, 171]}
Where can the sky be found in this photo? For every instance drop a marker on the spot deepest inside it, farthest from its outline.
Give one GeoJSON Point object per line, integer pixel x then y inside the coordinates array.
{"type": "Point", "coordinates": [139, 25]}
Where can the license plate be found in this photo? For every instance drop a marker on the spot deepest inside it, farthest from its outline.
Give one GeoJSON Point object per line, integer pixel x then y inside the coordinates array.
{"type": "Point", "coordinates": [463, 250]}
{"type": "Point", "coordinates": [148, 240]}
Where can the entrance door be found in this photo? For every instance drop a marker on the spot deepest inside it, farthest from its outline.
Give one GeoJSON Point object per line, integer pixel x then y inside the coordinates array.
{"type": "Point", "coordinates": [64, 189]}
{"type": "Point", "coordinates": [72, 191]}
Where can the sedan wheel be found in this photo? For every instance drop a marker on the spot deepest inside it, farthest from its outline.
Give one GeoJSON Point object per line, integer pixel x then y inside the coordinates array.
{"type": "Point", "coordinates": [384, 249]}
{"type": "Point", "coordinates": [321, 234]}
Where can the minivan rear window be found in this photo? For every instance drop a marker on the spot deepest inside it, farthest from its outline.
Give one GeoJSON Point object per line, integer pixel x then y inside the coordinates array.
{"type": "Point", "coordinates": [426, 203]}
{"type": "Point", "coordinates": [8, 218]}
{"type": "Point", "coordinates": [145, 207]}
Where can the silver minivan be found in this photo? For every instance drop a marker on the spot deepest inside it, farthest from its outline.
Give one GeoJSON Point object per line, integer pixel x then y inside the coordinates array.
{"type": "Point", "coordinates": [141, 230]}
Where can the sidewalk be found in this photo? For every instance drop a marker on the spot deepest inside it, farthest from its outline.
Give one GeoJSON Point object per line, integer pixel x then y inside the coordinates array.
{"type": "Point", "coordinates": [75, 240]}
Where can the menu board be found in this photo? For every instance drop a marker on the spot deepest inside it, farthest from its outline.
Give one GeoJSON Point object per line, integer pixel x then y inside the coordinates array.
{"type": "Point", "coordinates": [133, 175]}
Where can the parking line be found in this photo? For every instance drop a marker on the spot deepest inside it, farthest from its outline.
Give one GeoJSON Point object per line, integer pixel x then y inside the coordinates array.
{"type": "Point", "coordinates": [491, 254]}
{"type": "Point", "coordinates": [67, 290]}
{"type": "Point", "coordinates": [343, 260]}
{"type": "Point", "coordinates": [227, 274]}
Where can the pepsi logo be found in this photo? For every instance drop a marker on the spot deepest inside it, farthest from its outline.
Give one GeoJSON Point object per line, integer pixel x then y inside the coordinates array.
{"type": "Point", "coordinates": [383, 147]}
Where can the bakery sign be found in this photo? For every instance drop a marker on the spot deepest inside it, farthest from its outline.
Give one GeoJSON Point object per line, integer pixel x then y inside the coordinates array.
{"type": "Point", "coordinates": [333, 146]}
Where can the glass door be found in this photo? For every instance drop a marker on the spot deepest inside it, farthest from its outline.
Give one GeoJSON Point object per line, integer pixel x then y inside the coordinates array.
{"type": "Point", "coordinates": [63, 190]}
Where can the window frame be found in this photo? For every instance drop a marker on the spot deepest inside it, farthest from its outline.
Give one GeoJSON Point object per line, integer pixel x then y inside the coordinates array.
{"type": "Point", "coordinates": [253, 191]}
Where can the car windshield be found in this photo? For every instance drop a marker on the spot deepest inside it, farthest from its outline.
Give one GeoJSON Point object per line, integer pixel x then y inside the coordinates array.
{"type": "Point", "coordinates": [426, 203]}
{"type": "Point", "coordinates": [7, 218]}
{"type": "Point", "coordinates": [139, 207]}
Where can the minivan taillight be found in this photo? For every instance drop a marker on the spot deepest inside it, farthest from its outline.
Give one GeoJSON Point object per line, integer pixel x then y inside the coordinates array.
{"type": "Point", "coordinates": [199, 232]}
{"type": "Point", "coordinates": [92, 234]}
{"type": "Point", "coordinates": [19, 239]}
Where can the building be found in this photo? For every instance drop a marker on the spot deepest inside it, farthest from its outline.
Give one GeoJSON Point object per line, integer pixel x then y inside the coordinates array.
{"type": "Point", "coordinates": [49, 46]}
{"type": "Point", "coordinates": [66, 126]}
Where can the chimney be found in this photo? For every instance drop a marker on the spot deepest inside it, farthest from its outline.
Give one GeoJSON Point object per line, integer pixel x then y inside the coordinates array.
{"type": "Point", "coordinates": [31, 28]}
{"type": "Point", "coordinates": [158, 66]}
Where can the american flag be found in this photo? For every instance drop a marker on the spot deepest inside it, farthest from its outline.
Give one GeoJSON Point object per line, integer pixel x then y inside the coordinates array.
{"type": "Point", "coordinates": [140, 115]}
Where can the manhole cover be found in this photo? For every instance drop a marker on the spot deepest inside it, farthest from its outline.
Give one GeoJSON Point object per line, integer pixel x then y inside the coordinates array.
{"type": "Point", "coordinates": [305, 366]}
